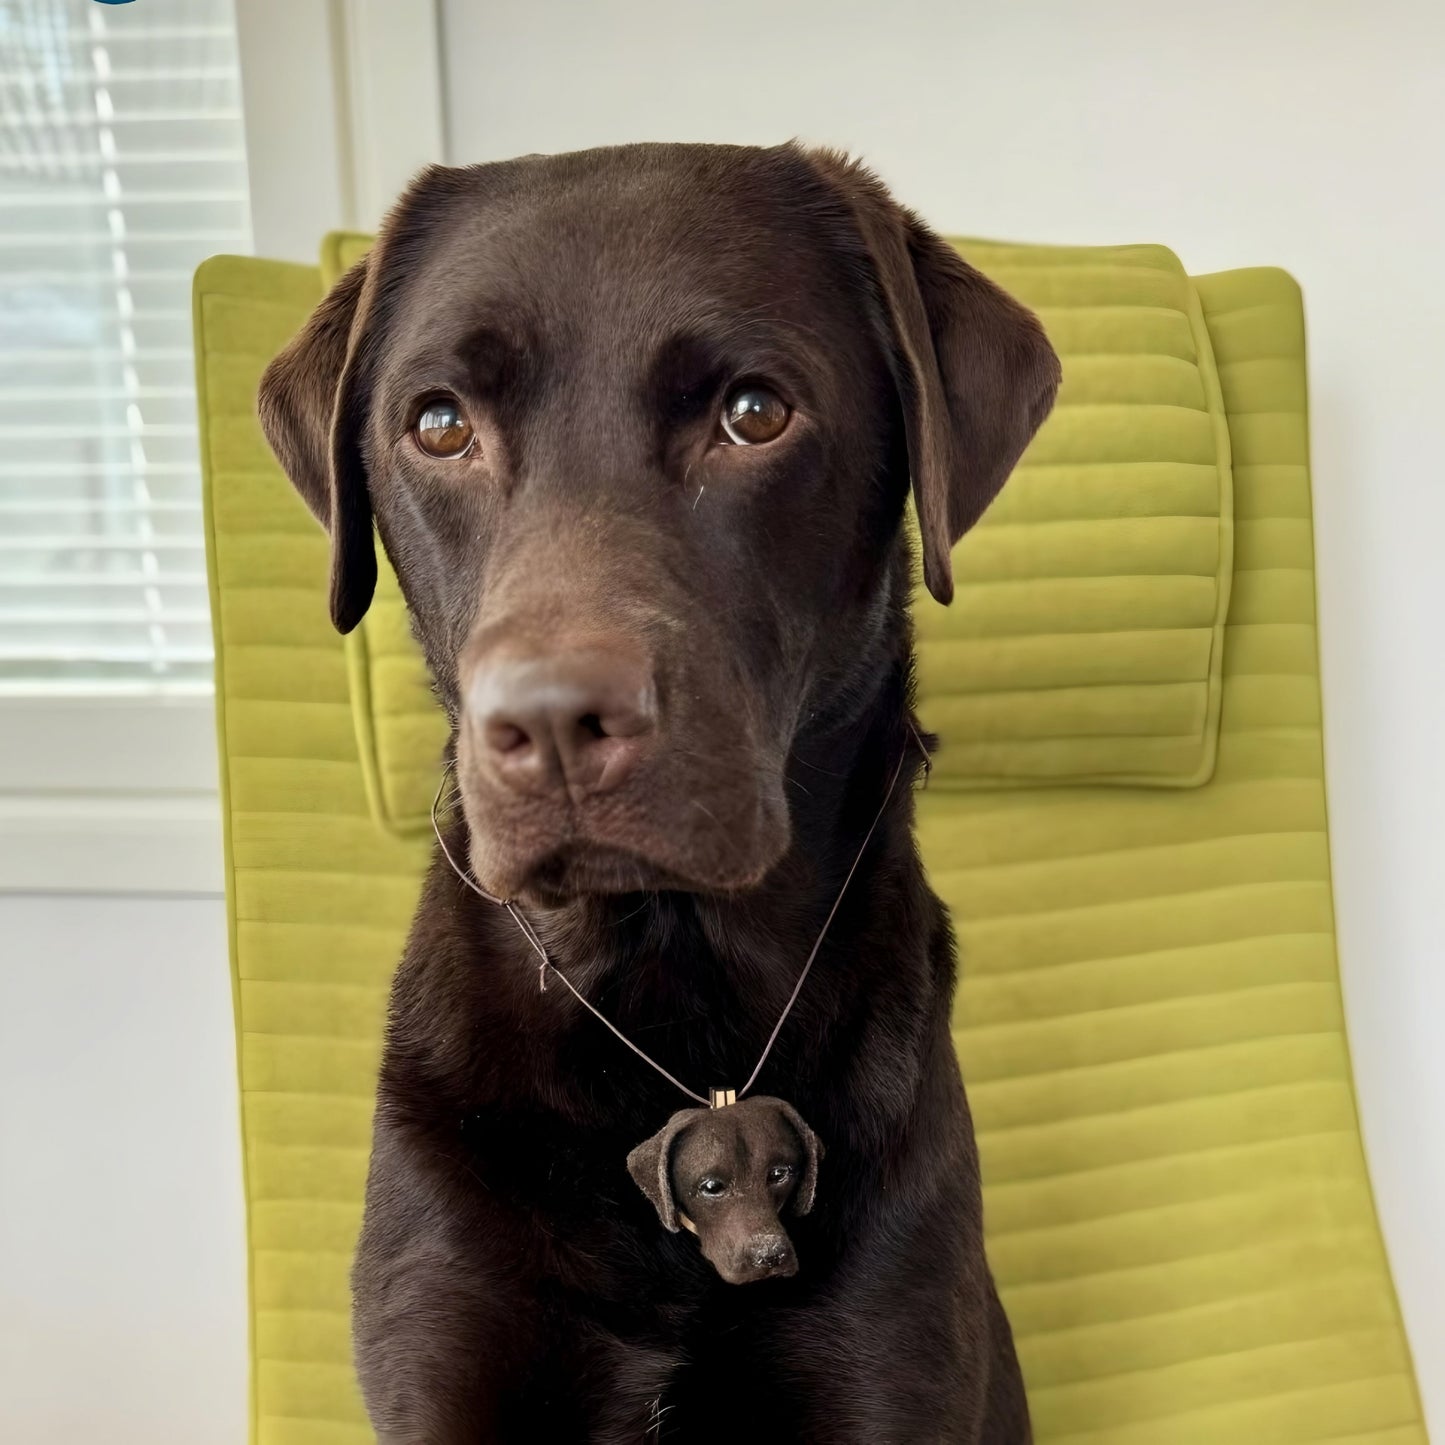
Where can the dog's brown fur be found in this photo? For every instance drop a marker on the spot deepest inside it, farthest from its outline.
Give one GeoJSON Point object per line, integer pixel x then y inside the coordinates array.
{"type": "Point", "coordinates": [590, 313]}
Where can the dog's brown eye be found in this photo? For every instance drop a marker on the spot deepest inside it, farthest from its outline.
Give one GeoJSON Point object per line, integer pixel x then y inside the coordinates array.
{"type": "Point", "coordinates": [780, 1173]}
{"type": "Point", "coordinates": [711, 1187]}
{"type": "Point", "coordinates": [753, 415]}
{"type": "Point", "coordinates": [442, 431]}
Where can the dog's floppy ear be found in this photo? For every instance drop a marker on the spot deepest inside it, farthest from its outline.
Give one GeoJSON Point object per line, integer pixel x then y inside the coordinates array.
{"type": "Point", "coordinates": [312, 418]}
{"type": "Point", "coordinates": [807, 1190]}
{"type": "Point", "coordinates": [315, 396]}
{"type": "Point", "coordinates": [975, 373]}
{"type": "Point", "coordinates": [650, 1165]}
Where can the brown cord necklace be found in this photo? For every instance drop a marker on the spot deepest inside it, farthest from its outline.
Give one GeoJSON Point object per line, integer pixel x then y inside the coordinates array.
{"type": "Point", "coordinates": [653, 1173]}
{"type": "Point", "coordinates": [715, 1098]}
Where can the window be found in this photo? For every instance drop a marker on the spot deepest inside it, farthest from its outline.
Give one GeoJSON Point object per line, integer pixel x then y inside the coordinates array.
{"type": "Point", "coordinates": [122, 165]}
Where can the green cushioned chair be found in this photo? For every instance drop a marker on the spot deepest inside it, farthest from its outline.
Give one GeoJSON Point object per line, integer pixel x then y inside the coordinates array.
{"type": "Point", "coordinates": [1127, 819]}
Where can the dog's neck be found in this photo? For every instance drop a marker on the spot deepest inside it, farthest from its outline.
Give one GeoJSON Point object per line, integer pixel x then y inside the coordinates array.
{"type": "Point", "coordinates": [698, 979]}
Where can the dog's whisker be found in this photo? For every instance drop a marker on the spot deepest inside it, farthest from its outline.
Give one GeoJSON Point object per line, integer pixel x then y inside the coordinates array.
{"type": "Point", "coordinates": [673, 1022]}
{"type": "Point", "coordinates": [826, 772]}
{"type": "Point", "coordinates": [632, 913]}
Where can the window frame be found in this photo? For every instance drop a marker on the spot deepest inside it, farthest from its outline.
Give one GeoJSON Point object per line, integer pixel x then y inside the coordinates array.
{"type": "Point", "coordinates": [113, 792]}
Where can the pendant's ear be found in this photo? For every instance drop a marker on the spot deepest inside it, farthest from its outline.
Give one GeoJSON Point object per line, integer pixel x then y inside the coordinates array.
{"type": "Point", "coordinates": [807, 1190]}
{"type": "Point", "coordinates": [650, 1165]}
{"type": "Point", "coordinates": [975, 373]}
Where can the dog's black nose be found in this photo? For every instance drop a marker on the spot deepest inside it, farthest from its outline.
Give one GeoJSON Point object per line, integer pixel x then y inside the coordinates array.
{"type": "Point", "coordinates": [577, 720]}
{"type": "Point", "coordinates": [773, 1253]}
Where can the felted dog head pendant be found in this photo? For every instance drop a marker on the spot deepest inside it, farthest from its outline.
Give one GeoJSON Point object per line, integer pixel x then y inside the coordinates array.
{"type": "Point", "coordinates": [728, 1175]}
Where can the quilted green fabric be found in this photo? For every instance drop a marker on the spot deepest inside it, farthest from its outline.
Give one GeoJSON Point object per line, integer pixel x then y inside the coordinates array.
{"type": "Point", "coordinates": [1151, 1030]}
{"type": "Point", "coordinates": [1085, 639]}
{"type": "Point", "coordinates": [1177, 1206]}
{"type": "Point", "coordinates": [319, 898]}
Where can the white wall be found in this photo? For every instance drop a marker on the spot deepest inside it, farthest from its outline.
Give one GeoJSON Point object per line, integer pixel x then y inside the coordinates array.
{"type": "Point", "coordinates": [1308, 134]}
{"type": "Point", "coordinates": [122, 1256]}
{"type": "Point", "coordinates": [343, 104]}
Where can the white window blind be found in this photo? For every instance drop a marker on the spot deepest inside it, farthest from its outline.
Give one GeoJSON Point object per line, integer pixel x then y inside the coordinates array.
{"type": "Point", "coordinates": [122, 165]}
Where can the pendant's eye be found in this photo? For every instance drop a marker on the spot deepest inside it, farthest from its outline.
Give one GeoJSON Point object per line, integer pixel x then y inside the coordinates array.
{"type": "Point", "coordinates": [442, 431]}
{"type": "Point", "coordinates": [753, 415]}
{"type": "Point", "coordinates": [780, 1173]}
{"type": "Point", "coordinates": [711, 1187]}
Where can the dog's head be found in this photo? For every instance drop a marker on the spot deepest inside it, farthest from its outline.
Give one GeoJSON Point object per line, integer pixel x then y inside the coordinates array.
{"type": "Point", "coordinates": [728, 1175]}
{"type": "Point", "coordinates": [637, 427]}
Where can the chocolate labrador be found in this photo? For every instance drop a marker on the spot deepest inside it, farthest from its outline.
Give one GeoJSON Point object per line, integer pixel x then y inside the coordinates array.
{"type": "Point", "coordinates": [638, 429]}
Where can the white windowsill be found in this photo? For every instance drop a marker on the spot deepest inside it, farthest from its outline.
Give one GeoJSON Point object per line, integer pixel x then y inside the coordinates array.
{"type": "Point", "coordinates": [119, 794]}
{"type": "Point", "coordinates": [109, 794]}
